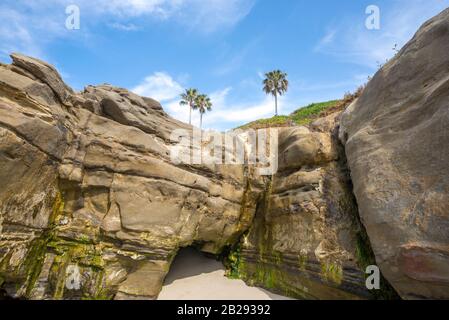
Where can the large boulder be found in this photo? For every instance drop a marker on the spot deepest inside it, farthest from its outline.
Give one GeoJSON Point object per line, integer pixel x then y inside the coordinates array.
{"type": "Point", "coordinates": [396, 137]}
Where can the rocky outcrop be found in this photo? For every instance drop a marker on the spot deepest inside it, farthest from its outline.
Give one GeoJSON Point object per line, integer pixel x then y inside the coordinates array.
{"type": "Point", "coordinates": [396, 137]}
{"type": "Point", "coordinates": [306, 240]}
{"type": "Point", "coordinates": [92, 207]}
{"type": "Point", "coordinates": [90, 204]}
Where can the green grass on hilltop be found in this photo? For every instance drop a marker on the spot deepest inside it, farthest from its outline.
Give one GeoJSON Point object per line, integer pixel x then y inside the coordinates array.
{"type": "Point", "coordinates": [305, 115]}
{"type": "Point", "coordinates": [302, 116]}
{"type": "Point", "coordinates": [274, 121]}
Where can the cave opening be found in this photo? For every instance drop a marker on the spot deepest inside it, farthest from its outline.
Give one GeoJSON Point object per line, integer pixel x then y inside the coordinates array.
{"type": "Point", "coordinates": [196, 276]}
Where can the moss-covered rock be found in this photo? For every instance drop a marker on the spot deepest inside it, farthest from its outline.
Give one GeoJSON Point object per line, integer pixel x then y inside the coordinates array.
{"type": "Point", "coordinates": [304, 241]}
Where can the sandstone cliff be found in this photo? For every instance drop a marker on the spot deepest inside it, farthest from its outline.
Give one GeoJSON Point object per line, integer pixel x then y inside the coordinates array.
{"type": "Point", "coordinates": [306, 240]}
{"type": "Point", "coordinates": [89, 198]}
{"type": "Point", "coordinates": [92, 207]}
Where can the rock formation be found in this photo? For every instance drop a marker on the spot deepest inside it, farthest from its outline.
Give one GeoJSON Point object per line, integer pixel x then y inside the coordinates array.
{"type": "Point", "coordinates": [90, 204]}
{"type": "Point", "coordinates": [306, 240]}
{"type": "Point", "coordinates": [396, 137]}
{"type": "Point", "coordinates": [92, 207]}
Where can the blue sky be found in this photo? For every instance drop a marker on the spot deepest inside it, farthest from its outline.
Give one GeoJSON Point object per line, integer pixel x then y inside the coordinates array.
{"type": "Point", "coordinates": [222, 47]}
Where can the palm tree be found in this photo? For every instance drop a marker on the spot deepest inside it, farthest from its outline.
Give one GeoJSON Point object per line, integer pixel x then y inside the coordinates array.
{"type": "Point", "coordinates": [275, 83]}
{"type": "Point", "coordinates": [203, 104]}
{"type": "Point", "coordinates": [188, 99]}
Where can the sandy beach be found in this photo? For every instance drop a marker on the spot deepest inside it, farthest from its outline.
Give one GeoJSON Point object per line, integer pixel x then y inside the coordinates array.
{"type": "Point", "coordinates": [196, 277]}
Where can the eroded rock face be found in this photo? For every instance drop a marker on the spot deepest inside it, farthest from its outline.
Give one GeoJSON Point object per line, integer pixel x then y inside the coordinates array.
{"type": "Point", "coordinates": [90, 204]}
{"type": "Point", "coordinates": [306, 240]}
{"type": "Point", "coordinates": [396, 137]}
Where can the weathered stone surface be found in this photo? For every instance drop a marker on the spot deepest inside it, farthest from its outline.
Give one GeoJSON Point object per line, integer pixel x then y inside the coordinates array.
{"type": "Point", "coordinates": [45, 73]}
{"type": "Point", "coordinates": [305, 240]}
{"type": "Point", "coordinates": [91, 205]}
{"type": "Point", "coordinates": [396, 137]}
{"type": "Point", "coordinates": [130, 109]}
{"type": "Point", "coordinates": [300, 147]}
{"type": "Point", "coordinates": [144, 283]}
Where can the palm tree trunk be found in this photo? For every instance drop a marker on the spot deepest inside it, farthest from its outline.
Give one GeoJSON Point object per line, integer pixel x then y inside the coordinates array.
{"type": "Point", "coordinates": [190, 115]}
{"type": "Point", "coordinates": [201, 121]}
{"type": "Point", "coordinates": [276, 103]}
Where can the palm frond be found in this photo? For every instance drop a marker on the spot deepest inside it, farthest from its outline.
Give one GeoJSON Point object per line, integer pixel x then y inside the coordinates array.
{"type": "Point", "coordinates": [188, 97]}
{"type": "Point", "coordinates": [275, 82]}
{"type": "Point", "coordinates": [203, 103]}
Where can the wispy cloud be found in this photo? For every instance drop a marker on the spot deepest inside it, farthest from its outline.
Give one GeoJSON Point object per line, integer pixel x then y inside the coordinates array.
{"type": "Point", "coordinates": [352, 42]}
{"type": "Point", "coordinates": [212, 15]}
{"type": "Point", "coordinates": [209, 15]}
{"type": "Point", "coordinates": [326, 39]}
{"type": "Point", "coordinates": [27, 33]}
{"type": "Point", "coordinates": [29, 26]}
{"type": "Point", "coordinates": [124, 26]}
{"type": "Point", "coordinates": [14, 36]}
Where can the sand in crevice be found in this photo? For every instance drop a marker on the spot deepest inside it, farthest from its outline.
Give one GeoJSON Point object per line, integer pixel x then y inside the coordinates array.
{"type": "Point", "coordinates": [196, 277]}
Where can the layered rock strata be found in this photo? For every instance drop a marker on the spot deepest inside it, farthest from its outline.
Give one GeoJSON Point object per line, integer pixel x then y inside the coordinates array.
{"type": "Point", "coordinates": [306, 240]}
{"type": "Point", "coordinates": [91, 206]}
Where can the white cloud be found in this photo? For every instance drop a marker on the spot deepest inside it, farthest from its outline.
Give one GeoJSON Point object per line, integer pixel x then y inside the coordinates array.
{"type": "Point", "coordinates": [203, 15]}
{"type": "Point", "coordinates": [212, 15]}
{"type": "Point", "coordinates": [225, 114]}
{"type": "Point", "coordinates": [124, 27]}
{"type": "Point", "coordinates": [21, 32]}
{"type": "Point", "coordinates": [29, 26]}
{"type": "Point", "coordinates": [126, 8]}
{"type": "Point", "coordinates": [399, 21]}
{"type": "Point", "coordinates": [238, 112]}
{"type": "Point", "coordinates": [14, 36]}
{"type": "Point", "coordinates": [160, 86]}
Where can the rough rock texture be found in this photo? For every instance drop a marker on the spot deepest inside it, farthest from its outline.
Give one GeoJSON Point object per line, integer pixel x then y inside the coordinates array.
{"type": "Point", "coordinates": [306, 240]}
{"type": "Point", "coordinates": [396, 137]}
{"type": "Point", "coordinates": [92, 207]}
{"type": "Point", "coordinates": [90, 204]}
